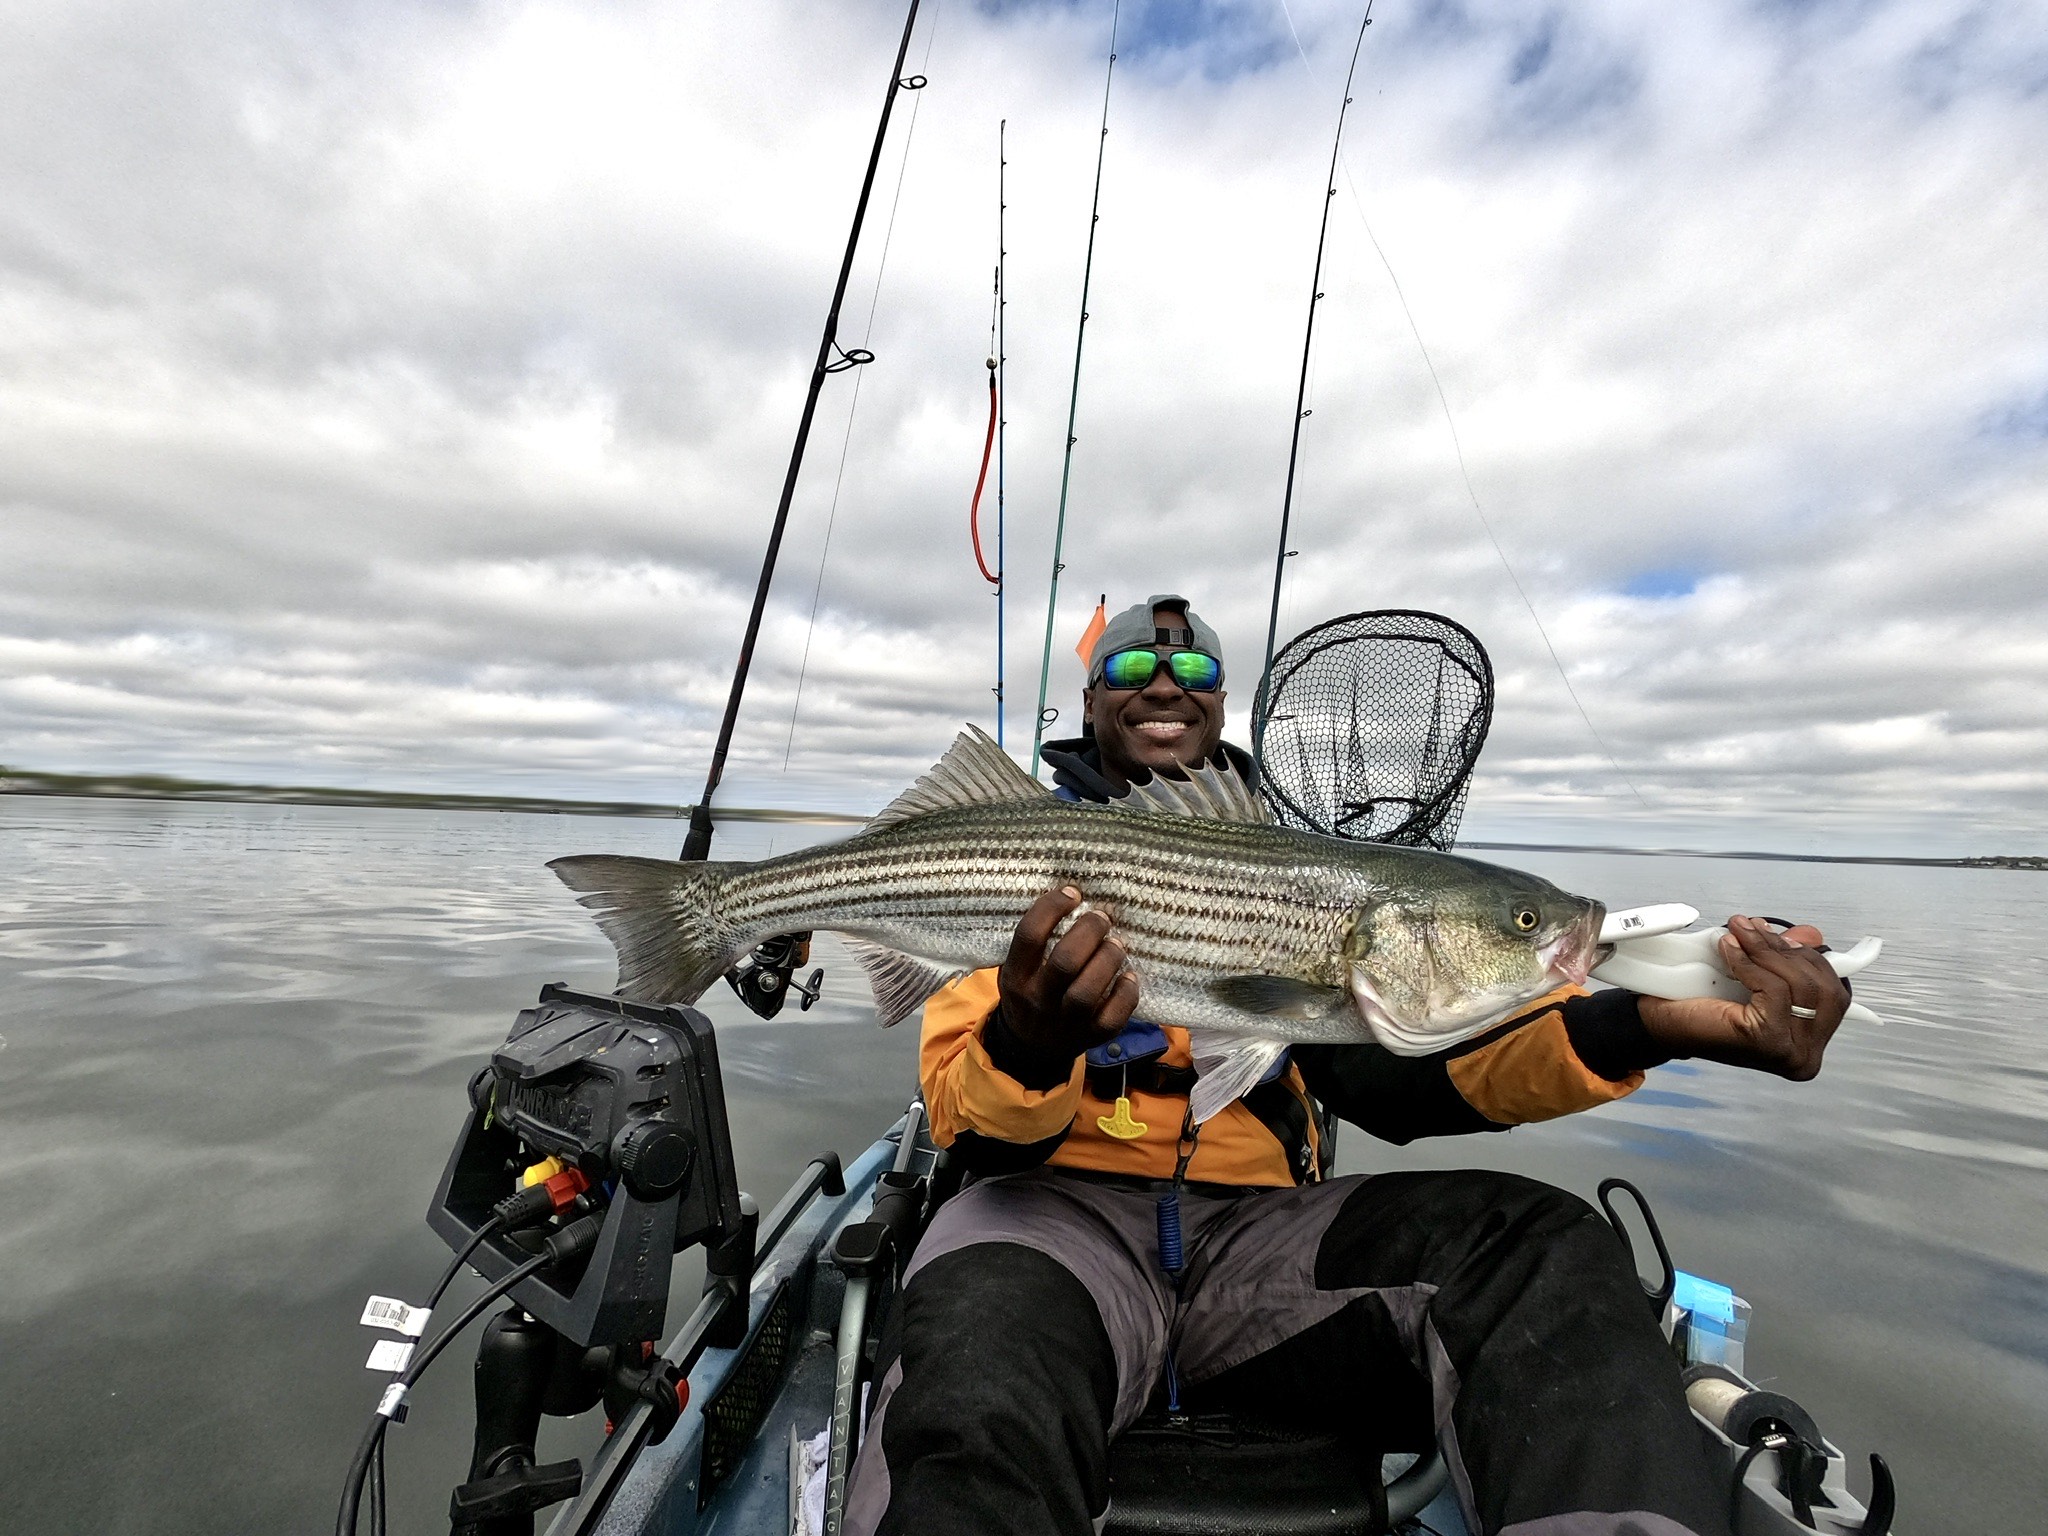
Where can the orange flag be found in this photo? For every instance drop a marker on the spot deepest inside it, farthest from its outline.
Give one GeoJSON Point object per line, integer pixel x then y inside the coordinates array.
{"type": "Point", "coordinates": [1086, 649]}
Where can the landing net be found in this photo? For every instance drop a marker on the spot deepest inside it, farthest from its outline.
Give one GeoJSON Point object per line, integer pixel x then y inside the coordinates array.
{"type": "Point", "coordinates": [1368, 727]}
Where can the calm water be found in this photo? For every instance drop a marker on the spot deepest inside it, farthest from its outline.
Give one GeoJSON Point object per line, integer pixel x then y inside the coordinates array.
{"type": "Point", "coordinates": [237, 1039]}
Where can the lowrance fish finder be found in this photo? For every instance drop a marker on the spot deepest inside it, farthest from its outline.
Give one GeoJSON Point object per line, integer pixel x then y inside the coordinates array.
{"type": "Point", "coordinates": [623, 1102]}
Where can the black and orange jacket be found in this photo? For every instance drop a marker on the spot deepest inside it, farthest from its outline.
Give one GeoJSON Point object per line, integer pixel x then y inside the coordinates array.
{"type": "Point", "coordinates": [1003, 1108]}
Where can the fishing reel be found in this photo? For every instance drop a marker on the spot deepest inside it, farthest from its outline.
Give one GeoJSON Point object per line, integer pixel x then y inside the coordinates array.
{"type": "Point", "coordinates": [764, 978]}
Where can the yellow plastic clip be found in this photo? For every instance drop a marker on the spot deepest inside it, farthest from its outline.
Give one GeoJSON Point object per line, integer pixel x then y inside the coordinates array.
{"type": "Point", "coordinates": [1119, 1123]}
{"type": "Point", "coordinates": [540, 1172]}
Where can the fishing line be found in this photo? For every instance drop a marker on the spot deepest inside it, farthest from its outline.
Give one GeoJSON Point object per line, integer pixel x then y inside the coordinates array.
{"type": "Point", "coordinates": [853, 407]}
{"type": "Point", "coordinates": [1457, 444]}
{"type": "Point", "coordinates": [1052, 596]}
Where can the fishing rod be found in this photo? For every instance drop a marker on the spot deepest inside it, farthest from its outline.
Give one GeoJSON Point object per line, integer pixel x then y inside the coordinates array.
{"type": "Point", "coordinates": [1002, 395]}
{"type": "Point", "coordinates": [1315, 291]}
{"type": "Point", "coordinates": [1052, 597]}
{"type": "Point", "coordinates": [697, 845]}
{"type": "Point", "coordinates": [988, 446]}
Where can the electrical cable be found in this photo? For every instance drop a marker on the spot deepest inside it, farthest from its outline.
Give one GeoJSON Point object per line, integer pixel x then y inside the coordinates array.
{"type": "Point", "coordinates": [576, 1237]}
{"type": "Point", "coordinates": [1052, 596]}
{"type": "Point", "coordinates": [1458, 450]}
{"type": "Point", "coordinates": [853, 405]}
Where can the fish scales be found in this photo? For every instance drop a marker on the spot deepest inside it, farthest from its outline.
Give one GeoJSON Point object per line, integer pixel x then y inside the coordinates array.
{"type": "Point", "coordinates": [1204, 895]}
{"type": "Point", "coordinates": [1248, 934]}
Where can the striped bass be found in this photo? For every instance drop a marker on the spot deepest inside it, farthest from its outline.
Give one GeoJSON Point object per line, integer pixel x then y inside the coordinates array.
{"type": "Point", "coordinates": [1249, 935]}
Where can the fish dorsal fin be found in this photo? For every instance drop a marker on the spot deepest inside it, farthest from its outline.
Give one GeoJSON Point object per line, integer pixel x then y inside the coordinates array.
{"type": "Point", "coordinates": [974, 771]}
{"type": "Point", "coordinates": [1214, 791]}
{"type": "Point", "coordinates": [901, 982]}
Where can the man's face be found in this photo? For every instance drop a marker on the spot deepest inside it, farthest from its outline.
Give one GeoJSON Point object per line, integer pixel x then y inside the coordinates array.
{"type": "Point", "coordinates": [1160, 728]}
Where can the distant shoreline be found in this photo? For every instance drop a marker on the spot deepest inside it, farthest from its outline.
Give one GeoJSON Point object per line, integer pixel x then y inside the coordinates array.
{"type": "Point", "coordinates": [14, 781]}
{"type": "Point", "coordinates": [162, 787]}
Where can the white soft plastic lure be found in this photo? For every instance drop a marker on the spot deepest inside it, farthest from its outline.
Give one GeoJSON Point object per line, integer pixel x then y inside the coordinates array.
{"type": "Point", "coordinates": [1653, 956]}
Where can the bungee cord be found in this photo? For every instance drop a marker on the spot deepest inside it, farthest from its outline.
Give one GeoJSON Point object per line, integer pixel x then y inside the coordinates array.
{"type": "Point", "coordinates": [853, 406]}
{"type": "Point", "coordinates": [1450, 423]}
{"type": "Point", "coordinates": [1052, 597]}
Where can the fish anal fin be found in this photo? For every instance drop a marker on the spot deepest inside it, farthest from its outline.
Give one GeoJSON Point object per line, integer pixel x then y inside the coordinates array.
{"type": "Point", "coordinates": [974, 771]}
{"type": "Point", "coordinates": [1228, 1067]}
{"type": "Point", "coordinates": [1280, 997]}
{"type": "Point", "coordinates": [901, 982]}
{"type": "Point", "coordinates": [1214, 791]}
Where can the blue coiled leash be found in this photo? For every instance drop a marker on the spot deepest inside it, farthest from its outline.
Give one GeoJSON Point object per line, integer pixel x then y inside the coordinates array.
{"type": "Point", "coordinates": [1173, 1246]}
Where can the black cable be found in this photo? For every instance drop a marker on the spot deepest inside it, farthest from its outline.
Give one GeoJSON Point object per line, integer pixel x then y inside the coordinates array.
{"type": "Point", "coordinates": [461, 1258]}
{"type": "Point", "coordinates": [377, 1489]}
{"type": "Point", "coordinates": [574, 1238]}
{"type": "Point", "coordinates": [1737, 1482]}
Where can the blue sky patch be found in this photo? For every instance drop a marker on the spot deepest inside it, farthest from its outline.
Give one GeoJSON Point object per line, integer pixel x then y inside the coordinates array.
{"type": "Point", "coordinates": [2024, 419]}
{"type": "Point", "coordinates": [1221, 38]}
{"type": "Point", "coordinates": [1669, 581]}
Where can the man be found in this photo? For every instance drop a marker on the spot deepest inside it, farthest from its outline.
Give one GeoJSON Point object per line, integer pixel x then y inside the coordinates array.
{"type": "Point", "coordinates": [1496, 1315]}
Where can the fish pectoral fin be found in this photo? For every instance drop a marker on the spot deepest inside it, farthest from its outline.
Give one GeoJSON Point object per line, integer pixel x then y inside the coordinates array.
{"type": "Point", "coordinates": [901, 982]}
{"type": "Point", "coordinates": [1280, 997]}
{"type": "Point", "coordinates": [1228, 1067]}
{"type": "Point", "coordinates": [974, 771]}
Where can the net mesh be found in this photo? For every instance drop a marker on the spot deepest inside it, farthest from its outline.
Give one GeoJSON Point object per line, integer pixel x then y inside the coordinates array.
{"type": "Point", "coordinates": [1368, 727]}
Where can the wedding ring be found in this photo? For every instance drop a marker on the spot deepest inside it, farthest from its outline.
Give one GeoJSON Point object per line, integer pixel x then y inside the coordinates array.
{"type": "Point", "coordinates": [1798, 1012]}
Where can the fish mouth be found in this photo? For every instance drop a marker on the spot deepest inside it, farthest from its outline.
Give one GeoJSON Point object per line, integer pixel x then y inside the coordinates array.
{"type": "Point", "coordinates": [1574, 952]}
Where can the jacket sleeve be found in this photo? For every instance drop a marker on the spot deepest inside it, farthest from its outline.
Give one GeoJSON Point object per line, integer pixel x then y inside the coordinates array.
{"type": "Point", "coordinates": [1565, 1052]}
{"type": "Point", "coordinates": [999, 1108]}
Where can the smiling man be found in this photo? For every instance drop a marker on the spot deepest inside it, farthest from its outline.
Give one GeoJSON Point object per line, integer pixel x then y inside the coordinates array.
{"type": "Point", "coordinates": [1489, 1314]}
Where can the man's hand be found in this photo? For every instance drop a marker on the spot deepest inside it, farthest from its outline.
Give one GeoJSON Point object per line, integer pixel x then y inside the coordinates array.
{"type": "Point", "coordinates": [1783, 972]}
{"type": "Point", "coordinates": [1074, 996]}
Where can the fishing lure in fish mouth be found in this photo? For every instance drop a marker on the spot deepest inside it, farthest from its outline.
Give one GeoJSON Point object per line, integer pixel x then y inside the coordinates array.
{"type": "Point", "coordinates": [1250, 936]}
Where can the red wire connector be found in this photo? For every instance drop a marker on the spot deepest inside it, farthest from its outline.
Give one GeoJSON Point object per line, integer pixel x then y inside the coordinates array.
{"type": "Point", "coordinates": [547, 1197]}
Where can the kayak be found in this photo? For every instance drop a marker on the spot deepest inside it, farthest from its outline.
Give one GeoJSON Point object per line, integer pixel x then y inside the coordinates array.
{"type": "Point", "coordinates": [772, 1424]}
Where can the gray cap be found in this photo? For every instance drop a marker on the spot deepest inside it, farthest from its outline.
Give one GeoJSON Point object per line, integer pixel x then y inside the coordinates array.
{"type": "Point", "coordinates": [1134, 627]}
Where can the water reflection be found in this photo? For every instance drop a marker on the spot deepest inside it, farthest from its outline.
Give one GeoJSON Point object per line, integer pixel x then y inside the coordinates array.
{"type": "Point", "coordinates": [237, 1038]}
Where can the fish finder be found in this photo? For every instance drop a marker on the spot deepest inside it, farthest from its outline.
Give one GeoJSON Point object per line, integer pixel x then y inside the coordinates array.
{"type": "Point", "coordinates": [620, 1106]}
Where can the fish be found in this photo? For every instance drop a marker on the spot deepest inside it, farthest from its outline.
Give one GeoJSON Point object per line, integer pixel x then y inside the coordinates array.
{"type": "Point", "coordinates": [1251, 936]}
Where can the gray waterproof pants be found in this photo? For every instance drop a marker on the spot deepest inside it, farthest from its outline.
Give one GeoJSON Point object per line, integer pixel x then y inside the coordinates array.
{"type": "Point", "coordinates": [1494, 1315]}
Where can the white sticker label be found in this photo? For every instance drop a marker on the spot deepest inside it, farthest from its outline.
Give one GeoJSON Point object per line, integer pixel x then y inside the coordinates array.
{"type": "Point", "coordinates": [398, 1316]}
{"type": "Point", "coordinates": [392, 1404]}
{"type": "Point", "coordinates": [388, 1355]}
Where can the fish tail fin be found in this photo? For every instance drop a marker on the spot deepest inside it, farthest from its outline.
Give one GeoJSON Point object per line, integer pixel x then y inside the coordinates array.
{"type": "Point", "coordinates": [658, 914]}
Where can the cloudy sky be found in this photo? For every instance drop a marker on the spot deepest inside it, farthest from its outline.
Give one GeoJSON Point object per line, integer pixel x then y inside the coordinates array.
{"type": "Point", "coordinates": [397, 395]}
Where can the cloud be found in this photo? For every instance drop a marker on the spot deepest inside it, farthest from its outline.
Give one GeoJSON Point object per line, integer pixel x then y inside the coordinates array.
{"type": "Point", "coordinates": [399, 396]}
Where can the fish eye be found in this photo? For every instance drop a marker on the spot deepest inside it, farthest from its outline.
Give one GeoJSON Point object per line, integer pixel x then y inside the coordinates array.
{"type": "Point", "coordinates": [1525, 919]}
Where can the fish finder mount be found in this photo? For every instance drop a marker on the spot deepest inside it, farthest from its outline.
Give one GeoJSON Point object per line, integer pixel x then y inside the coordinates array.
{"type": "Point", "coordinates": [628, 1096]}
{"type": "Point", "coordinates": [618, 1108]}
